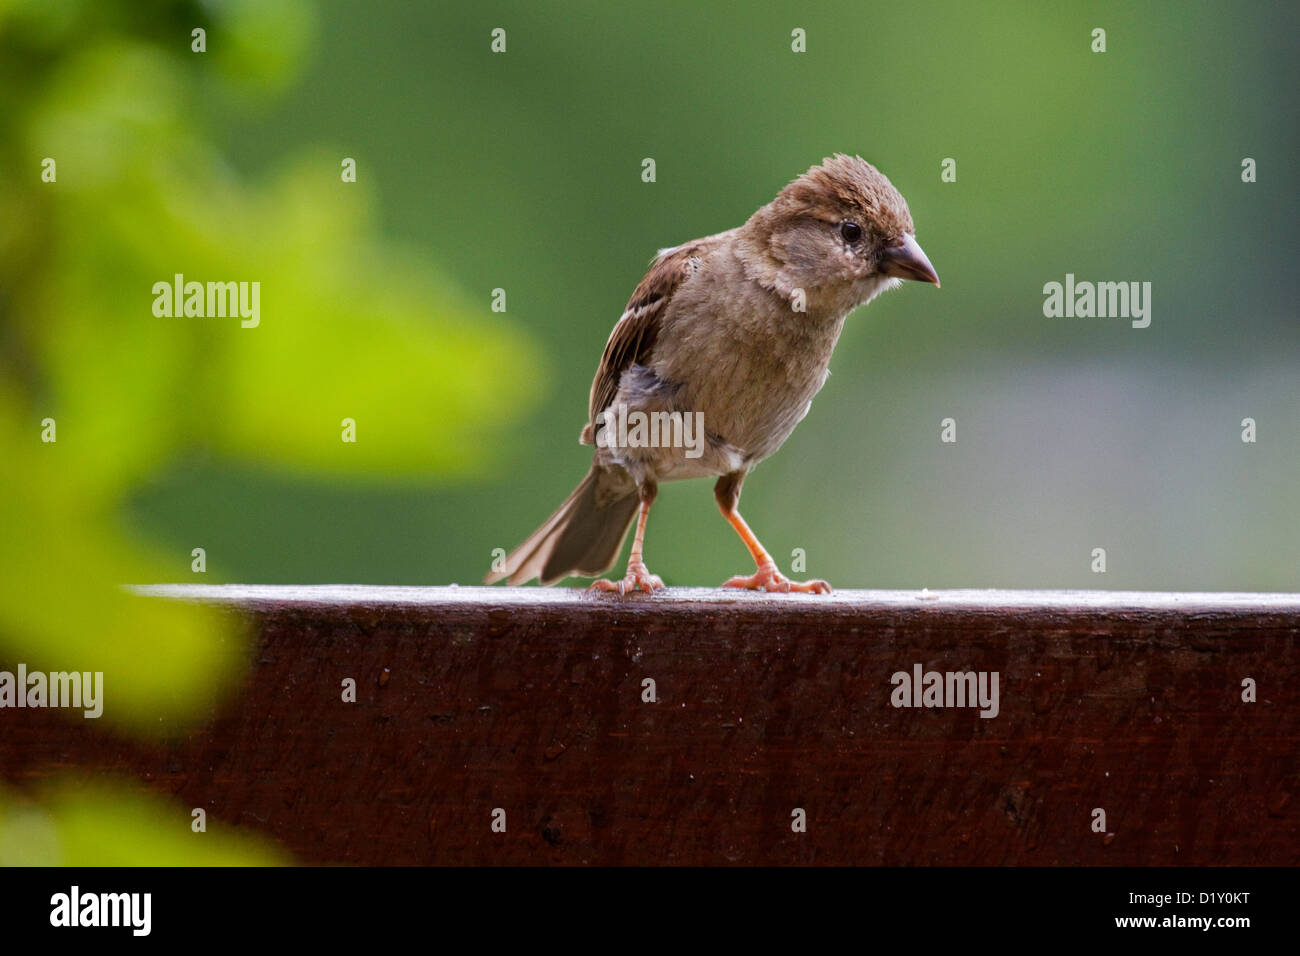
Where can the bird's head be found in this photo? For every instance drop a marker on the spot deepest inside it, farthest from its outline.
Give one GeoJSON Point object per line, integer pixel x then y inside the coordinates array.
{"type": "Point", "coordinates": [840, 229]}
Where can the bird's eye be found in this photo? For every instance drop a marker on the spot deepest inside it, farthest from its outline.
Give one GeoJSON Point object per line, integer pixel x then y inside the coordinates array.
{"type": "Point", "coordinates": [851, 231]}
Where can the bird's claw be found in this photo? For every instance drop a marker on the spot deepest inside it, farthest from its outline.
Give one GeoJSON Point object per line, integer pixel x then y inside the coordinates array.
{"type": "Point", "coordinates": [638, 578]}
{"type": "Point", "coordinates": [768, 578]}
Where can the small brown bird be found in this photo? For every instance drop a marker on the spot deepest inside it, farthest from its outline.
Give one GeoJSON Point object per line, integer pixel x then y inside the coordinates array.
{"type": "Point", "coordinates": [716, 359]}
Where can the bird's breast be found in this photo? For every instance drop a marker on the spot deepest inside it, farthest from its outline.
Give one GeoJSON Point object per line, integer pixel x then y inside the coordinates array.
{"type": "Point", "coordinates": [751, 366]}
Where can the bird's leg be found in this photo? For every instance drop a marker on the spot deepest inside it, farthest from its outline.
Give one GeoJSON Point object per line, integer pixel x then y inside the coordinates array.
{"type": "Point", "coordinates": [767, 577]}
{"type": "Point", "coordinates": [638, 576]}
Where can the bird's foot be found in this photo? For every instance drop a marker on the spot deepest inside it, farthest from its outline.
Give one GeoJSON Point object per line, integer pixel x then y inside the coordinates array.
{"type": "Point", "coordinates": [638, 578]}
{"type": "Point", "coordinates": [768, 578]}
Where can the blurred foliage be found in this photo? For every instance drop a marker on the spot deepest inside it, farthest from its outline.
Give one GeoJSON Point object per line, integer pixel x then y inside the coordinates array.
{"type": "Point", "coordinates": [352, 326]}
{"type": "Point", "coordinates": [110, 823]}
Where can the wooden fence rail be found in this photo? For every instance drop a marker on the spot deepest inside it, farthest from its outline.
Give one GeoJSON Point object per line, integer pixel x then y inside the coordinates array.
{"type": "Point", "coordinates": [704, 727]}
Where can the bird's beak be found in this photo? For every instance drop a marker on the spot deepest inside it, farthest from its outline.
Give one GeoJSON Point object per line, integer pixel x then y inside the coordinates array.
{"type": "Point", "coordinates": [905, 260]}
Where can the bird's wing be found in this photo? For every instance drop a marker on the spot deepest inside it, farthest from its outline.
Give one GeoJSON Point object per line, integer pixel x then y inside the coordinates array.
{"type": "Point", "coordinates": [633, 340]}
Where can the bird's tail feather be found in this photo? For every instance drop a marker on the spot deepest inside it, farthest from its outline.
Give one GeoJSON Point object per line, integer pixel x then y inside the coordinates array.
{"type": "Point", "coordinates": [582, 538]}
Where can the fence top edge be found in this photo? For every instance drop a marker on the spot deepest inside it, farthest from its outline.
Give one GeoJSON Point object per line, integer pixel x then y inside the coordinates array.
{"type": "Point", "coordinates": [986, 601]}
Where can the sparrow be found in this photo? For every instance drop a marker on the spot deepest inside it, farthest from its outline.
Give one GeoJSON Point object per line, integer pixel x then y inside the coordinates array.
{"type": "Point", "coordinates": [733, 332]}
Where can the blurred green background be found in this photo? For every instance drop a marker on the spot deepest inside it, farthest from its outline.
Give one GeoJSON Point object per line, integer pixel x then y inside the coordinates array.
{"type": "Point", "coordinates": [522, 171]}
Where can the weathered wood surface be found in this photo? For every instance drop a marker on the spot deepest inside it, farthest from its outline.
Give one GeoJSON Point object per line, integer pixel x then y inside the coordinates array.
{"type": "Point", "coordinates": [530, 700]}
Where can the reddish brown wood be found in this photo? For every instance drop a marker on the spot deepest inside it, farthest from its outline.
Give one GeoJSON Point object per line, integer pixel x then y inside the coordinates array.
{"type": "Point", "coordinates": [530, 700]}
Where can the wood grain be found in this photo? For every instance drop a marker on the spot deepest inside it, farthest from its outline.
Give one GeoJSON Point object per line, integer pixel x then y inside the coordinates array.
{"type": "Point", "coordinates": [530, 700]}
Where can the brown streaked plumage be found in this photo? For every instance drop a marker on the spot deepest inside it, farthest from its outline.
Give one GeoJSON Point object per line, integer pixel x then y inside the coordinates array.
{"type": "Point", "coordinates": [634, 334]}
{"type": "Point", "coordinates": [738, 329]}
